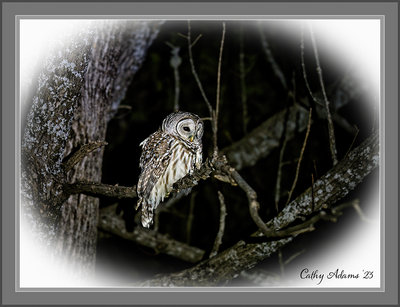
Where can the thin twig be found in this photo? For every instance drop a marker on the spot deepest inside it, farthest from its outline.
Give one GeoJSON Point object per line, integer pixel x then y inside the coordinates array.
{"type": "Point", "coordinates": [315, 169]}
{"type": "Point", "coordinates": [279, 175]}
{"type": "Point", "coordinates": [351, 146]}
{"type": "Point", "coordinates": [195, 41]}
{"type": "Point", "coordinates": [270, 58]}
{"type": "Point", "coordinates": [332, 140]}
{"type": "Point", "coordinates": [218, 239]}
{"type": "Point", "coordinates": [303, 65]}
{"type": "Point", "coordinates": [190, 45]}
{"type": "Point", "coordinates": [301, 156]}
{"type": "Point", "coordinates": [356, 205]}
{"type": "Point", "coordinates": [254, 206]}
{"type": "Point", "coordinates": [215, 115]}
{"type": "Point", "coordinates": [281, 163]}
{"type": "Point", "coordinates": [294, 256]}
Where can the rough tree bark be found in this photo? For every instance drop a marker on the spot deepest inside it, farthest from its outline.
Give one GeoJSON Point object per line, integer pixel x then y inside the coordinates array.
{"type": "Point", "coordinates": [83, 81]}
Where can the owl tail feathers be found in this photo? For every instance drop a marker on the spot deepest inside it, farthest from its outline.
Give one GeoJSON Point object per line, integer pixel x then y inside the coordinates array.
{"type": "Point", "coordinates": [147, 217]}
{"type": "Point", "coordinates": [147, 212]}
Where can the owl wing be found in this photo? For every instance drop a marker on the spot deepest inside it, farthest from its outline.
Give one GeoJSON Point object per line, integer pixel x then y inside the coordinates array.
{"type": "Point", "coordinates": [153, 161]}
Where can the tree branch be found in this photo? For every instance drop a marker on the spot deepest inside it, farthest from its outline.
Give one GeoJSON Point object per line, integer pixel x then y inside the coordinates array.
{"type": "Point", "coordinates": [112, 223]}
{"type": "Point", "coordinates": [277, 70]}
{"type": "Point", "coordinates": [191, 180]}
{"type": "Point", "coordinates": [81, 153]}
{"type": "Point", "coordinates": [218, 239]}
{"type": "Point", "coordinates": [96, 188]}
{"type": "Point", "coordinates": [190, 45]}
{"type": "Point", "coordinates": [216, 112]}
{"type": "Point", "coordinates": [333, 186]}
{"type": "Point", "coordinates": [301, 157]}
{"type": "Point", "coordinates": [332, 140]}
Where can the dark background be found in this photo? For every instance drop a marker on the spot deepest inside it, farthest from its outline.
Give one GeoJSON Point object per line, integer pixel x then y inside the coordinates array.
{"type": "Point", "coordinates": [151, 98]}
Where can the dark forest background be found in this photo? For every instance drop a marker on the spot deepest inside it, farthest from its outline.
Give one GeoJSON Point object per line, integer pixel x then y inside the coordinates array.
{"type": "Point", "coordinates": [150, 98]}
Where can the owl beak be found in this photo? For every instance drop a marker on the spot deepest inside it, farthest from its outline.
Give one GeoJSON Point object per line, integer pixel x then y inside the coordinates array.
{"type": "Point", "coordinates": [191, 138]}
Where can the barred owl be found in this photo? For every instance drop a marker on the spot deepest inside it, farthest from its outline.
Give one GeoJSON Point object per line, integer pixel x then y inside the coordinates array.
{"type": "Point", "coordinates": [168, 154]}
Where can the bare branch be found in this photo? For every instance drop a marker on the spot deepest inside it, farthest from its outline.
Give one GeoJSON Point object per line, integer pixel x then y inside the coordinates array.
{"type": "Point", "coordinates": [253, 203]}
{"type": "Point", "coordinates": [303, 65]}
{"type": "Point", "coordinates": [215, 114]}
{"type": "Point", "coordinates": [96, 188]}
{"type": "Point", "coordinates": [281, 163]}
{"type": "Point", "coordinates": [334, 185]}
{"type": "Point", "coordinates": [277, 70]}
{"type": "Point", "coordinates": [195, 41]}
{"type": "Point", "coordinates": [218, 239]}
{"type": "Point", "coordinates": [112, 223]}
{"type": "Point", "coordinates": [315, 169]}
{"type": "Point", "coordinates": [81, 153]}
{"type": "Point", "coordinates": [356, 205]}
{"type": "Point", "coordinates": [194, 70]}
{"type": "Point", "coordinates": [191, 180]}
{"type": "Point", "coordinates": [301, 157]}
{"type": "Point", "coordinates": [332, 140]}
{"type": "Point", "coordinates": [279, 174]}
{"type": "Point", "coordinates": [353, 140]}
{"type": "Point", "coordinates": [294, 256]}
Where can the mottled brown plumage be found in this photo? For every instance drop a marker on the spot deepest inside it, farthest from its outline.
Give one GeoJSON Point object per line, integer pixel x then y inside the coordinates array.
{"type": "Point", "coordinates": [168, 154]}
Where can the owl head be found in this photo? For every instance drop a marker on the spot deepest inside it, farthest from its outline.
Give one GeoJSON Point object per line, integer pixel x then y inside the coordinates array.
{"type": "Point", "coordinates": [187, 126]}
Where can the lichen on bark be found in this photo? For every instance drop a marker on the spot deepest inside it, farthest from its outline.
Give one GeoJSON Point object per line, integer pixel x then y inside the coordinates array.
{"type": "Point", "coordinates": [83, 80]}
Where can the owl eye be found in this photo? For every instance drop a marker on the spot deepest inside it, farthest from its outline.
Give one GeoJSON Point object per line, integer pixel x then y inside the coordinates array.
{"type": "Point", "coordinates": [187, 129]}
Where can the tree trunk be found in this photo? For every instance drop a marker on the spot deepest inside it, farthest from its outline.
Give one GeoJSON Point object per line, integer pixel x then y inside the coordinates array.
{"type": "Point", "coordinates": [84, 79]}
